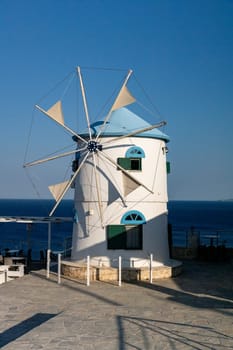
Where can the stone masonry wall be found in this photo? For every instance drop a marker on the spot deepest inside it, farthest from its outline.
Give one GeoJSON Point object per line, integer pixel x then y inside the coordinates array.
{"type": "Point", "coordinates": [111, 274]}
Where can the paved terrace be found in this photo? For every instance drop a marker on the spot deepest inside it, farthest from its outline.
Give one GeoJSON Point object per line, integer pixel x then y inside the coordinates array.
{"type": "Point", "coordinates": [192, 311]}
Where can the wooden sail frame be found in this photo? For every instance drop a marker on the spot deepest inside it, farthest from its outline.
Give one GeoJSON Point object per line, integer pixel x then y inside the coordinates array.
{"type": "Point", "coordinates": [91, 146]}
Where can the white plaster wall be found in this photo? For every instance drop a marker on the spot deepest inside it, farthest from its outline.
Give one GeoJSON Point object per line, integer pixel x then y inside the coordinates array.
{"type": "Point", "coordinates": [89, 237]}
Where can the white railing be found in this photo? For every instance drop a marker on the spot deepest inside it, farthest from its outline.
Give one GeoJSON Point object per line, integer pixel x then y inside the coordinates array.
{"type": "Point", "coordinates": [10, 272]}
{"type": "Point", "coordinates": [87, 262]}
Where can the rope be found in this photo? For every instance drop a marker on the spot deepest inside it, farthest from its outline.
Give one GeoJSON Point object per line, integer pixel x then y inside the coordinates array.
{"type": "Point", "coordinates": [29, 136]}
{"type": "Point", "coordinates": [102, 68]}
{"type": "Point", "coordinates": [104, 106]}
{"type": "Point", "coordinates": [55, 87]}
{"type": "Point", "coordinates": [54, 153]}
{"type": "Point", "coordinates": [34, 186]}
{"type": "Point", "coordinates": [108, 102]}
{"type": "Point", "coordinates": [68, 86]}
{"type": "Point", "coordinates": [113, 179]}
{"type": "Point", "coordinates": [148, 97]}
{"type": "Point", "coordinates": [157, 164]}
{"type": "Point", "coordinates": [32, 183]}
{"type": "Point", "coordinates": [67, 169]}
{"type": "Point", "coordinates": [145, 108]}
{"type": "Point", "coordinates": [70, 76]}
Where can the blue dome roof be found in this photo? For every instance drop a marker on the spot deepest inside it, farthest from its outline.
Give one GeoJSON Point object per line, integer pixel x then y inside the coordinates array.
{"type": "Point", "coordinates": [122, 122]}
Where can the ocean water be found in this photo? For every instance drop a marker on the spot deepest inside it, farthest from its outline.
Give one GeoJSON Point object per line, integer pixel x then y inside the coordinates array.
{"type": "Point", "coordinates": [35, 236]}
{"type": "Point", "coordinates": [205, 217]}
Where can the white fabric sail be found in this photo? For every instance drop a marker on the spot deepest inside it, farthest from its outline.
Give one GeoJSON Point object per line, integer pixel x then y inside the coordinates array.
{"type": "Point", "coordinates": [129, 185]}
{"type": "Point", "coordinates": [58, 189]}
{"type": "Point", "coordinates": [55, 112]}
{"type": "Point", "coordinates": [124, 98]}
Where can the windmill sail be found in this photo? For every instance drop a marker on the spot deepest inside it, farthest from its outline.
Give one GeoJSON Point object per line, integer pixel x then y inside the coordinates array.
{"type": "Point", "coordinates": [98, 189]}
{"type": "Point", "coordinates": [84, 101]}
{"type": "Point", "coordinates": [55, 112]}
{"type": "Point", "coordinates": [129, 185]}
{"type": "Point", "coordinates": [124, 171]}
{"type": "Point", "coordinates": [124, 98]}
{"type": "Point", "coordinates": [58, 189]}
{"type": "Point", "coordinates": [91, 145]}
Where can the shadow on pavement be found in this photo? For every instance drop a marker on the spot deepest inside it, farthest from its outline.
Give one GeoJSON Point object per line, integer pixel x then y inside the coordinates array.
{"type": "Point", "coordinates": [75, 287]}
{"type": "Point", "coordinates": [23, 327]}
{"type": "Point", "coordinates": [176, 334]}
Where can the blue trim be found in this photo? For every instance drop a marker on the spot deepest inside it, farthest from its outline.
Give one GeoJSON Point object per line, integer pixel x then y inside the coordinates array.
{"type": "Point", "coordinates": [133, 217]}
{"type": "Point", "coordinates": [135, 152]}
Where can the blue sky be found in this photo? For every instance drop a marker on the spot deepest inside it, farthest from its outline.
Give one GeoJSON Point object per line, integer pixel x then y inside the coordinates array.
{"type": "Point", "coordinates": [180, 51]}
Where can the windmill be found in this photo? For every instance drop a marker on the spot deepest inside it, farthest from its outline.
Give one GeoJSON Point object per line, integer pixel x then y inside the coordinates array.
{"type": "Point", "coordinates": [119, 176]}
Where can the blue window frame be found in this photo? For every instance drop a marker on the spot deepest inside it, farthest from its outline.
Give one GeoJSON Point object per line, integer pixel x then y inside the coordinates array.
{"type": "Point", "coordinates": [135, 152]}
{"type": "Point", "coordinates": [133, 217]}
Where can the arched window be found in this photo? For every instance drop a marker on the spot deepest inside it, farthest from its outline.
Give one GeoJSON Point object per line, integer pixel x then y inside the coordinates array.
{"type": "Point", "coordinates": [135, 152]}
{"type": "Point", "coordinates": [133, 159]}
{"type": "Point", "coordinates": [133, 217]}
{"type": "Point", "coordinates": [129, 234]}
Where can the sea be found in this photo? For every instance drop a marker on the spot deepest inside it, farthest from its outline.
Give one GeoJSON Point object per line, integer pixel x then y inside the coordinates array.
{"type": "Point", "coordinates": [22, 236]}
{"type": "Point", "coordinates": [212, 221]}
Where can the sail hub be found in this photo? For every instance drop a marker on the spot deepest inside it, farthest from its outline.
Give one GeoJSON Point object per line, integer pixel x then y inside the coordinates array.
{"type": "Point", "coordinates": [94, 146]}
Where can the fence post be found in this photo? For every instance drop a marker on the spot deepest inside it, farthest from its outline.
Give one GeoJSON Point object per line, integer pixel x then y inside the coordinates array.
{"type": "Point", "coordinates": [5, 273]}
{"type": "Point", "coordinates": [119, 272]}
{"type": "Point", "coordinates": [88, 270]}
{"type": "Point", "coordinates": [151, 269]}
{"type": "Point", "coordinates": [59, 268]}
{"type": "Point", "coordinates": [48, 262]}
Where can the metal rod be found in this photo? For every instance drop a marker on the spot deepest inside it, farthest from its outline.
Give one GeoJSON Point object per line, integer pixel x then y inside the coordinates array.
{"type": "Point", "coordinates": [39, 161]}
{"type": "Point", "coordinates": [139, 131]}
{"type": "Point", "coordinates": [48, 262]}
{"type": "Point", "coordinates": [119, 272]}
{"type": "Point", "coordinates": [68, 185]}
{"type": "Point", "coordinates": [126, 173]}
{"type": "Point", "coordinates": [84, 101]}
{"type": "Point", "coordinates": [119, 190]}
{"type": "Point", "coordinates": [5, 275]}
{"type": "Point", "coordinates": [49, 235]}
{"type": "Point", "coordinates": [63, 125]}
{"type": "Point", "coordinates": [88, 270]}
{"type": "Point", "coordinates": [59, 268]}
{"type": "Point", "coordinates": [109, 113]}
{"type": "Point", "coordinates": [151, 268]}
{"type": "Point", "coordinates": [98, 189]}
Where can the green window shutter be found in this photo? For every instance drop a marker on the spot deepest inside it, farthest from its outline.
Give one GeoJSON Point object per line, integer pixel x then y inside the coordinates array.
{"type": "Point", "coordinates": [130, 163]}
{"type": "Point", "coordinates": [124, 237]}
{"type": "Point", "coordinates": [116, 237]}
{"type": "Point", "coordinates": [124, 163]}
{"type": "Point", "coordinates": [168, 167]}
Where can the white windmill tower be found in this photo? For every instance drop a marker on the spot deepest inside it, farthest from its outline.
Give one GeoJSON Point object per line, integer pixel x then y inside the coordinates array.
{"type": "Point", "coordinates": [120, 182]}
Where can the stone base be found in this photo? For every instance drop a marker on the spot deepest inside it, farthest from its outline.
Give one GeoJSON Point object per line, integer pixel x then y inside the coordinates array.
{"type": "Point", "coordinates": [79, 271]}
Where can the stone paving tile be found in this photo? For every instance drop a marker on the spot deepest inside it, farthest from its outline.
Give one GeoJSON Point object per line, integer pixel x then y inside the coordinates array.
{"type": "Point", "coordinates": [192, 311]}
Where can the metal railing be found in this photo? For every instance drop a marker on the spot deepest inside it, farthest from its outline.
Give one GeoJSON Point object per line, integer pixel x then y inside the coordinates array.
{"type": "Point", "coordinates": [205, 237]}
{"type": "Point", "coordinates": [87, 262]}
